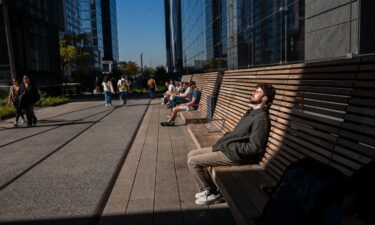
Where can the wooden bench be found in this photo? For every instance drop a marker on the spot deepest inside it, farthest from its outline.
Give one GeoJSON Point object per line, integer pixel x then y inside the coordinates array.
{"type": "Point", "coordinates": [186, 78]}
{"type": "Point", "coordinates": [322, 110]}
{"type": "Point", "coordinates": [208, 84]}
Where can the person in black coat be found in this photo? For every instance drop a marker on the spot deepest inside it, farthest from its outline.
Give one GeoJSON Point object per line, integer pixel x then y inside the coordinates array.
{"type": "Point", "coordinates": [28, 97]}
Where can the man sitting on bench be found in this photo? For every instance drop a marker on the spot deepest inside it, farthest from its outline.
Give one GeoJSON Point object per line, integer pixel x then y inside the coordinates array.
{"type": "Point", "coordinates": [241, 146]}
{"type": "Point", "coordinates": [192, 105]}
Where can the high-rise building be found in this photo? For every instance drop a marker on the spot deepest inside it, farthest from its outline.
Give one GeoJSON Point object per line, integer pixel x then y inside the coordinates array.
{"type": "Point", "coordinates": [29, 39]}
{"type": "Point", "coordinates": [194, 51]}
{"type": "Point", "coordinates": [173, 33]}
{"type": "Point", "coordinates": [71, 17]}
{"type": "Point", "coordinates": [235, 34]}
{"type": "Point", "coordinates": [110, 35]}
{"type": "Point", "coordinates": [168, 36]}
{"type": "Point", "coordinates": [91, 25]}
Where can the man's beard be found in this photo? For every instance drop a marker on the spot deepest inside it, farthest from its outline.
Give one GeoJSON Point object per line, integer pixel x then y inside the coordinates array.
{"type": "Point", "coordinates": [255, 102]}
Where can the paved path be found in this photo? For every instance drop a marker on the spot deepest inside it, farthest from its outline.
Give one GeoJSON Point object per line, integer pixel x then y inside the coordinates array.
{"type": "Point", "coordinates": [60, 171]}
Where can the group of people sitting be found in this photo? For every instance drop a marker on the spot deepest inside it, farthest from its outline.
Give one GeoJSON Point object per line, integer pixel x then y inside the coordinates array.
{"type": "Point", "coordinates": [183, 97]}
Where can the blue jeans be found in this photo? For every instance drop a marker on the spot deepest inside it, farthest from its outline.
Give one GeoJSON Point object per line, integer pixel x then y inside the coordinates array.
{"type": "Point", "coordinates": [178, 100]}
{"type": "Point", "coordinates": [107, 97]}
{"type": "Point", "coordinates": [123, 95]}
{"type": "Point", "coordinates": [152, 92]}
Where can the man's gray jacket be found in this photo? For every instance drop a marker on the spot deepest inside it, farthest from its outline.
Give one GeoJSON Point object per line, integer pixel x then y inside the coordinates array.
{"type": "Point", "coordinates": [248, 139]}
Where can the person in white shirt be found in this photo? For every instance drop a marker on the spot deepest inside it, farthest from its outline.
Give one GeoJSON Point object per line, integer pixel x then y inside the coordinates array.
{"type": "Point", "coordinates": [107, 90]}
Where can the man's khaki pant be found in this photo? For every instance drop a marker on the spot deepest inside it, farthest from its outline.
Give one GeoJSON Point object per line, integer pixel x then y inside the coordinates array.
{"type": "Point", "coordinates": [199, 160]}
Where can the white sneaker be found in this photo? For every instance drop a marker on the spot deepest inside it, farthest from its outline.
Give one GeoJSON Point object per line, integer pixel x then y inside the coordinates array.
{"type": "Point", "coordinates": [106, 105]}
{"type": "Point", "coordinates": [209, 199]}
{"type": "Point", "coordinates": [202, 194]}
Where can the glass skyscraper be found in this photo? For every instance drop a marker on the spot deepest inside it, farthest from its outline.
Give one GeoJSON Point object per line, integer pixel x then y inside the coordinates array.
{"type": "Point", "coordinates": [233, 34]}
{"type": "Point", "coordinates": [71, 14]}
{"type": "Point", "coordinates": [91, 24]}
{"type": "Point", "coordinates": [193, 17]}
{"type": "Point", "coordinates": [110, 36]}
{"type": "Point", "coordinates": [29, 39]}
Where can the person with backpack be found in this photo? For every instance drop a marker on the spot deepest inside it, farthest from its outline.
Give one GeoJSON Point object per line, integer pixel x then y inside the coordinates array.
{"type": "Point", "coordinates": [123, 87]}
{"type": "Point", "coordinates": [28, 97]}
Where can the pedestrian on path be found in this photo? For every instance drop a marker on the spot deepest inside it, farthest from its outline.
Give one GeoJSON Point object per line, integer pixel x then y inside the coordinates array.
{"type": "Point", "coordinates": [13, 98]}
{"type": "Point", "coordinates": [107, 90]}
{"type": "Point", "coordinates": [151, 83]}
{"type": "Point", "coordinates": [28, 97]}
{"type": "Point", "coordinates": [123, 87]}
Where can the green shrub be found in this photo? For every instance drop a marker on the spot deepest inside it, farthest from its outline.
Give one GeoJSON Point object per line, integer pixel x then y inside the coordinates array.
{"type": "Point", "coordinates": [52, 101]}
{"type": "Point", "coordinates": [6, 111]}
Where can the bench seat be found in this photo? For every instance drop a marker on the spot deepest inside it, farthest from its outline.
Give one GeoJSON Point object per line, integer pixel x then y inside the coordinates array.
{"type": "Point", "coordinates": [204, 135]}
{"type": "Point", "coordinates": [193, 116]}
{"type": "Point", "coordinates": [245, 189]}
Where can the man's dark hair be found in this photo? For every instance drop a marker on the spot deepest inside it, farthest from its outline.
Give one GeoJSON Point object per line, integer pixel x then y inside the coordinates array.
{"type": "Point", "coordinates": [268, 90]}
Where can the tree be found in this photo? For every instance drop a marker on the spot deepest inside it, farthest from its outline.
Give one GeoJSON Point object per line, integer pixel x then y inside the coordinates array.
{"type": "Point", "coordinates": [161, 75]}
{"type": "Point", "coordinates": [130, 68]}
{"type": "Point", "coordinates": [68, 54]}
{"type": "Point", "coordinates": [72, 54]}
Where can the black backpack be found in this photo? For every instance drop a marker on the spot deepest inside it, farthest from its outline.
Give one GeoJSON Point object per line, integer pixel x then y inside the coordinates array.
{"type": "Point", "coordinates": [307, 189]}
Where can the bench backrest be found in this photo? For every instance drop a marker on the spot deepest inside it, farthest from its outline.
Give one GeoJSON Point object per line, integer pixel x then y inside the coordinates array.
{"type": "Point", "coordinates": [186, 78]}
{"type": "Point", "coordinates": [208, 84]}
{"type": "Point", "coordinates": [322, 110]}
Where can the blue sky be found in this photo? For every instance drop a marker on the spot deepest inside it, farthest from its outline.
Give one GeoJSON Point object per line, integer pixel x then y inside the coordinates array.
{"type": "Point", "coordinates": [141, 29]}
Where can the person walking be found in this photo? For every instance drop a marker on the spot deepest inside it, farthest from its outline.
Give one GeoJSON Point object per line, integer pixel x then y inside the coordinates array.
{"type": "Point", "coordinates": [242, 145]}
{"type": "Point", "coordinates": [28, 97]}
{"type": "Point", "coordinates": [151, 83]}
{"type": "Point", "coordinates": [123, 87]}
{"type": "Point", "coordinates": [13, 98]}
{"type": "Point", "coordinates": [107, 90]}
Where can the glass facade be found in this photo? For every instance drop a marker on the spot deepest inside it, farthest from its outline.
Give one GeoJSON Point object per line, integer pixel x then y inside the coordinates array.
{"type": "Point", "coordinates": [177, 36]}
{"type": "Point", "coordinates": [193, 14]}
{"type": "Point", "coordinates": [232, 34]}
{"type": "Point", "coordinates": [91, 25]}
{"type": "Point", "coordinates": [264, 32]}
{"type": "Point", "coordinates": [110, 35]}
{"type": "Point", "coordinates": [32, 39]}
{"type": "Point", "coordinates": [72, 24]}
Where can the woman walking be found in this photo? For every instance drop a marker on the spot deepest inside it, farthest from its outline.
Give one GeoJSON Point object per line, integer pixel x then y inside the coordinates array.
{"type": "Point", "coordinates": [107, 90]}
{"type": "Point", "coordinates": [13, 98]}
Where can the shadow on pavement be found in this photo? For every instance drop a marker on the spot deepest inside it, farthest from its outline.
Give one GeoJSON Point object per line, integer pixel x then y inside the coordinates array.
{"type": "Point", "coordinates": [216, 216]}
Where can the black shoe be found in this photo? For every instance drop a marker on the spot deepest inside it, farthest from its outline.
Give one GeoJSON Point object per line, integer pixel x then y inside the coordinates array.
{"type": "Point", "coordinates": [169, 124]}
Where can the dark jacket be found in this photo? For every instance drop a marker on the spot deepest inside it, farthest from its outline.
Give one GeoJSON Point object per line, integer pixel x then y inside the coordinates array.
{"type": "Point", "coordinates": [28, 95]}
{"type": "Point", "coordinates": [248, 139]}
